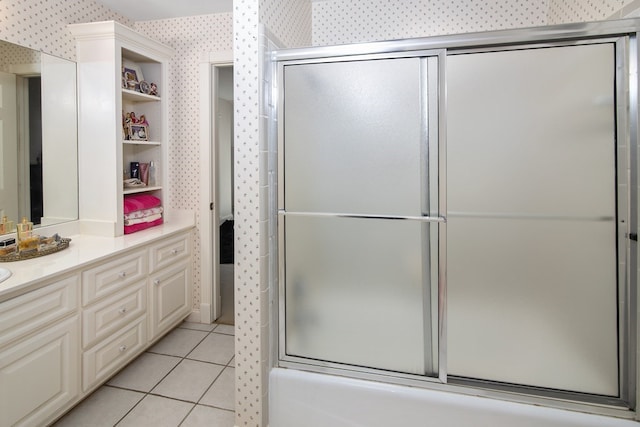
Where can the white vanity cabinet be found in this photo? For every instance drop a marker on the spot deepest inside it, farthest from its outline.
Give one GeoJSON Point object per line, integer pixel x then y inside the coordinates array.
{"type": "Point", "coordinates": [69, 335]}
{"type": "Point", "coordinates": [39, 353]}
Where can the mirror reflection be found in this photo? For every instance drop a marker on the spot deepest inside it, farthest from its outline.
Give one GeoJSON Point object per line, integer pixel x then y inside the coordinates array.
{"type": "Point", "coordinates": [38, 136]}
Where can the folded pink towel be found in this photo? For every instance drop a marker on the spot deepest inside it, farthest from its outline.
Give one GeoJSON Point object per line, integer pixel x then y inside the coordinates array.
{"type": "Point", "coordinates": [138, 202]}
{"type": "Point", "coordinates": [128, 229]}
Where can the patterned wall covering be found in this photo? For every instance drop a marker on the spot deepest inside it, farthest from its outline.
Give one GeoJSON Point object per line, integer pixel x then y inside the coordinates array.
{"type": "Point", "coordinates": [13, 54]}
{"type": "Point", "coordinates": [340, 22]}
{"type": "Point", "coordinates": [248, 295]}
{"type": "Point", "coordinates": [288, 20]}
{"type": "Point", "coordinates": [191, 37]}
{"type": "Point", "coordinates": [42, 24]}
{"type": "Point", "coordinates": [565, 11]}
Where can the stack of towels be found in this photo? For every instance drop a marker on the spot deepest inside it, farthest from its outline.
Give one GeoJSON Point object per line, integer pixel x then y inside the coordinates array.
{"type": "Point", "coordinates": [141, 211]}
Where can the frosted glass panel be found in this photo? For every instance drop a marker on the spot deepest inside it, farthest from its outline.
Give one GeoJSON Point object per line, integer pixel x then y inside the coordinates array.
{"type": "Point", "coordinates": [357, 292]}
{"type": "Point", "coordinates": [531, 232]}
{"type": "Point", "coordinates": [352, 137]}
{"type": "Point", "coordinates": [532, 131]}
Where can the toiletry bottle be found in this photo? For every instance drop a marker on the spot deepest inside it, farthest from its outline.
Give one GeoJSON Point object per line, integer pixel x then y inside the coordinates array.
{"type": "Point", "coordinates": [152, 174]}
{"type": "Point", "coordinates": [6, 226]}
{"type": "Point", "coordinates": [26, 239]}
{"type": "Point", "coordinates": [134, 167]}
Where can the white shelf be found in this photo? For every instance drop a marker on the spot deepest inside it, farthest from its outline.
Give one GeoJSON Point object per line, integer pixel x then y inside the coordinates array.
{"type": "Point", "coordinates": [101, 50]}
{"type": "Point", "coordinates": [140, 190]}
{"type": "Point", "coordinates": [132, 95]}
{"type": "Point", "coordinates": [153, 143]}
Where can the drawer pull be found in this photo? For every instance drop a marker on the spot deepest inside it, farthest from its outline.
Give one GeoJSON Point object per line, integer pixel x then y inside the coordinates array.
{"type": "Point", "coordinates": [156, 282]}
{"type": "Point", "coordinates": [122, 274]}
{"type": "Point", "coordinates": [122, 310]}
{"type": "Point", "coordinates": [122, 348]}
{"type": "Point", "coordinates": [174, 251]}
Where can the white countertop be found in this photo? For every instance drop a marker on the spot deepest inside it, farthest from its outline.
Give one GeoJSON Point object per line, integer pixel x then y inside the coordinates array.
{"type": "Point", "coordinates": [83, 249]}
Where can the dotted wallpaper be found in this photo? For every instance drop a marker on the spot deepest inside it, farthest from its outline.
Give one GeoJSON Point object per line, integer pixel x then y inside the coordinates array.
{"type": "Point", "coordinates": [565, 11]}
{"type": "Point", "coordinates": [340, 22]}
{"type": "Point", "coordinates": [11, 54]}
{"type": "Point", "coordinates": [42, 24]}
{"type": "Point", "coordinates": [249, 379]}
{"type": "Point", "coordinates": [191, 37]}
{"type": "Point", "coordinates": [288, 20]}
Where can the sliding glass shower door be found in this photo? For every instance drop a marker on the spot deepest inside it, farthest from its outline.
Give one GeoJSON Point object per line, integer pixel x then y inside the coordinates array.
{"type": "Point", "coordinates": [358, 213]}
{"type": "Point", "coordinates": [464, 216]}
{"type": "Point", "coordinates": [532, 239]}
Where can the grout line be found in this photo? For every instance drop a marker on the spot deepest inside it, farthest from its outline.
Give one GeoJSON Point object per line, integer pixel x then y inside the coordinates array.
{"type": "Point", "coordinates": [150, 392]}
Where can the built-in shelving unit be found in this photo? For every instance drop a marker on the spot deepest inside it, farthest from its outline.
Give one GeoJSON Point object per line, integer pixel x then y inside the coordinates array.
{"type": "Point", "coordinates": [118, 70]}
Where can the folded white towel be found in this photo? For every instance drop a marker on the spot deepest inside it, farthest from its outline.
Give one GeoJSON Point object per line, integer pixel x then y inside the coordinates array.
{"type": "Point", "coordinates": [142, 213]}
{"type": "Point", "coordinates": [149, 218]}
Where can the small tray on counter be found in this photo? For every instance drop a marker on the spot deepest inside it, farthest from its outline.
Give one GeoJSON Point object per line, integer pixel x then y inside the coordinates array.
{"type": "Point", "coordinates": [60, 244]}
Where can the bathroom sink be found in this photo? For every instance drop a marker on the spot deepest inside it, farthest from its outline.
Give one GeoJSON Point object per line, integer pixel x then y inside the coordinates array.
{"type": "Point", "coordinates": [4, 274]}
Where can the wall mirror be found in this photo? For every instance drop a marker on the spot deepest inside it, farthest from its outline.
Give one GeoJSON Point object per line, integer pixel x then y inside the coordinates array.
{"type": "Point", "coordinates": [38, 136]}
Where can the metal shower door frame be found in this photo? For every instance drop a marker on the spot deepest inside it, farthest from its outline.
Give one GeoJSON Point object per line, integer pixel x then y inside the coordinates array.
{"type": "Point", "coordinates": [625, 35]}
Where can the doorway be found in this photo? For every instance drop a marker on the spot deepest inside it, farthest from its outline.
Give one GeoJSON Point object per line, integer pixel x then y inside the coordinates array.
{"type": "Point", "coordinates": [223, 185]}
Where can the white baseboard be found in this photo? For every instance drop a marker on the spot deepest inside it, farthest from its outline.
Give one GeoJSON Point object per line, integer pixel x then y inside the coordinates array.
{"type": "Point", "coordinates": [194, 317]}
{"type": "Point", "coordinates": [205, 313]}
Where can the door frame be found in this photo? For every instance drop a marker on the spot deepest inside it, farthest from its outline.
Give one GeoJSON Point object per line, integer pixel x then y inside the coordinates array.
{"type": "Point", "coordinates": [210, 300]}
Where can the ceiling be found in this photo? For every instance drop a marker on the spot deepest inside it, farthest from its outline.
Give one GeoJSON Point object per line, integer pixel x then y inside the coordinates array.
{"type": "Point", "coordinates": [147, 10]}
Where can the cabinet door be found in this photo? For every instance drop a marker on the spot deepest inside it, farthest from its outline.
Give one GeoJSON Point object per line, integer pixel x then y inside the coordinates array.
{"type": "Point", "coordinates": [39, 375]}
{"type": "Point", "coordinates": [24, 314]}
{"type": "Point", "coordinates": [113, 275]}
{"type": "Point", "coordinates": [113, 353]}
{"type": "Point", "coordinates": [170, 297]}
{"type": "Point", "coordinates": [167, 252]}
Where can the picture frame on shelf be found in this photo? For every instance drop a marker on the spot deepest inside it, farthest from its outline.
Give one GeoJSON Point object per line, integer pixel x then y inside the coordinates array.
{"type": "Point", "coordinates": [129, 78]}
{"type": "Point", "coordinates": [138, 132]}
{"type": "Point", "coordinates": [134, 70]}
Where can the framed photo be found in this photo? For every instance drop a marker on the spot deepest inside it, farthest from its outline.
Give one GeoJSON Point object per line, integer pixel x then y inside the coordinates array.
{"type": "Point", "coordinates": [129, 75]}
{"type": "Point", "coordinates": [138, 132]}
{"type": "Point", "coordinates": [132, 72]}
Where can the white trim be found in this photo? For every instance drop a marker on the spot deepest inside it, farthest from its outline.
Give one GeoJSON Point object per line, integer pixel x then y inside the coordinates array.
{"type": "Point", "coordinates": [195, 316]}
{"type": "Point", "coordinates": [209, 273]}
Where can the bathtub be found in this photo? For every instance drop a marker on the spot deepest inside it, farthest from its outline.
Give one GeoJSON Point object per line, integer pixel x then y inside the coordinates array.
{"type": "Point", "coordinates": [303, 399]}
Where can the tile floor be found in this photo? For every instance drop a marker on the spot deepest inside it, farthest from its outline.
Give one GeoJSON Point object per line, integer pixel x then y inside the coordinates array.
{"type": "Point", "coordinates": [186, 379]}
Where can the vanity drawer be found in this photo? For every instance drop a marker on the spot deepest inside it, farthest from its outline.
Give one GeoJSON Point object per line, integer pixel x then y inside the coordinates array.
{"type": "Point", "coordinates": [114, 312]}
{"type": "Point", "coordinates": [113, 353]}
{"type": "Point", "coordinates": [113, 275]}
{"type": "Point", "coordinates": [26, 313]}
{"type": "Point", "coordinates": [164, 253]}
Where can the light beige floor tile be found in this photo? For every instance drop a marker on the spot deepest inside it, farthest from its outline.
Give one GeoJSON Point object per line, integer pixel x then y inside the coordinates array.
{"type": "Point", "coordinates": [145, 372]}
{"type": "Point", "coordinates": [188, 381]}
{"type": "Point", "coordinates": [204, 416]}
{"type": "Point", "coordinates": [215, 348]}
{"type": "Point", "coordinates": [156, 411]}
{"type": "Point", "coordinates": [105, 407]}
{"type": "Point", "coordinates": [178, 342]}
{"type": "Point", "coordinates": [233, 362]}
{"type": "Point", "coordinates": [221, 394]}
{"type": "Point", "coordinates": [224, 329]}
{"type": "Point", "coordinates": [197, 326]}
